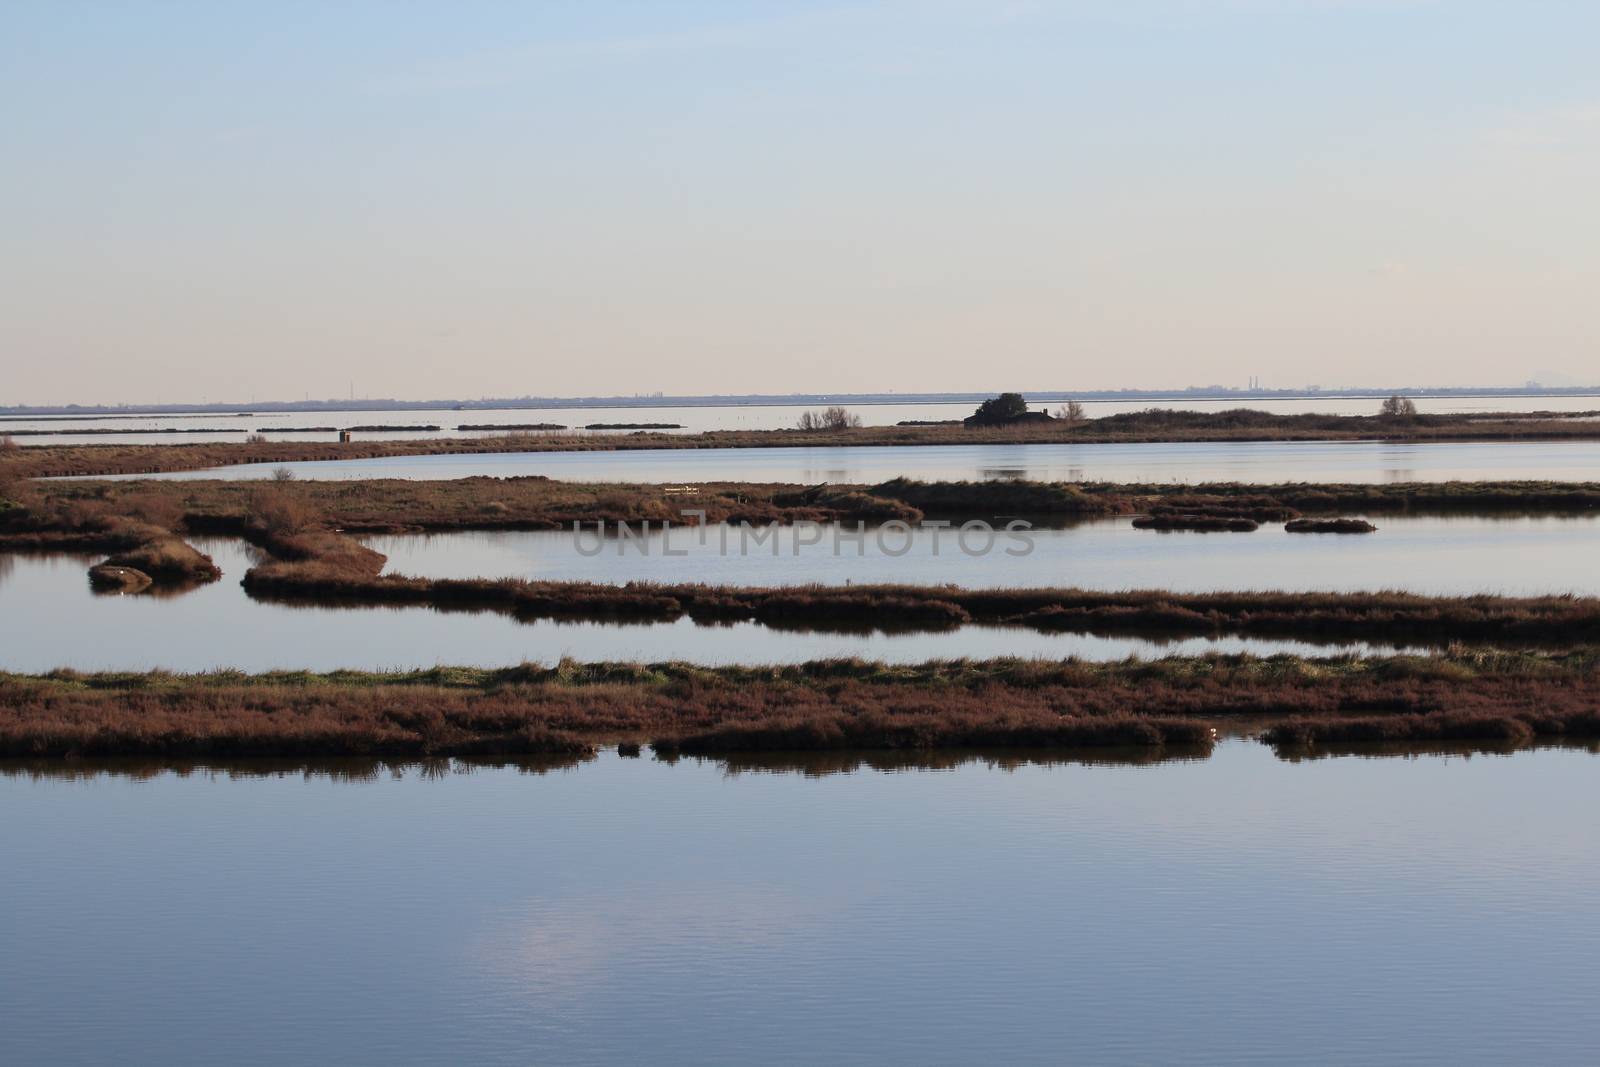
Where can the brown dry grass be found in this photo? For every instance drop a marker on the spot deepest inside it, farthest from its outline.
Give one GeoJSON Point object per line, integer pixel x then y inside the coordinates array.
{"type": "Point", "coordinates": [539, 503]}
{"type": "Point", "coordinates": [1400, 618]}
{"type": "Point", "coordinates": [138, 530]}
{"type": "Point", "coordinates": [847, 704]}
{"type": "Point", "coordinates": [168, 560]}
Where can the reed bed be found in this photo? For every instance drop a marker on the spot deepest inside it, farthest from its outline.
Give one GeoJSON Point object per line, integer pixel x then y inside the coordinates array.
{"type": "Point", "coordinates": [570, 709]}
{"type": "Point", "coordinates": [536, 503]}
{"type": "Point", "coordinates": [141, 541]}
{"type": "Point", "coordinates": [167, 559]}
{"type": "Point", "coordinates": [1379, 617]}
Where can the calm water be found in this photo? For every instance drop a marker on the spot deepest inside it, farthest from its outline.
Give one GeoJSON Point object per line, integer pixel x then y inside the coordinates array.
{"type": "Point", "coordinates": [699, 419]}
{"type": "Point", "coordinates": [1443, 556]}
{"type": "Point", "coordinates": [49, 618]}
{"type": "Point", "coordinates": [1186, 462]}
{"type": "Point", "coordinates": [1236, 909]}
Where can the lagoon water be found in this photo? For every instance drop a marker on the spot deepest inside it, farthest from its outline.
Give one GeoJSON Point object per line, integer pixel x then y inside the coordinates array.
{"type": "Point", "coordinates": [1033, 910]}
{"type": "Point", "coordinates": [1234, 909]}
{"type": "Point", "coordinates": [217, 626]}
{"type": "Point", "coordinates": [1260, 462]}
{"type": "Point", "coordinates": [1444, 556]}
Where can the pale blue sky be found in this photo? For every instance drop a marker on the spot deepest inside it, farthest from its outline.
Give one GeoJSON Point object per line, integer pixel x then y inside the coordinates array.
{"type": "Point", "coordinates": [269, 199]}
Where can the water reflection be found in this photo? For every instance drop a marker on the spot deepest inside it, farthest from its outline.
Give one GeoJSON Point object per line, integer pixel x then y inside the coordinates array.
{"type": "Point", "coordinates": [1436, 555]}
{"type": "Point", "coordinates": [1232, 909]}
{"type": "Point", "coordinates": [345, 769]}
{"type": "Point", "coordinates": [217, 626]}
{"type": "Point", "coordinates": [824, 764]}
{"type": "Point", "coordinates": [167, 590]}
{"type": "Point", "coordinates": [1299, 753]}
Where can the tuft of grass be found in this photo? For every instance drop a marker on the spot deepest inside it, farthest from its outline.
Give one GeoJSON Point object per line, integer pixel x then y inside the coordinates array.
{"type": "Point", "coordinates": [168, 560]}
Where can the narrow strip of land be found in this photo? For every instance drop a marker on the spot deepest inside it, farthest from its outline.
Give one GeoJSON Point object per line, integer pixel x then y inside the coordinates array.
{"type": "Point", "coordinates": [1134, 427]}
{"type": "Point", "coordinates": [332, 570]}
{"type": "Point", "coordinates": [536, 503]}
{"type": "Point", "coordinates": [571, 708]}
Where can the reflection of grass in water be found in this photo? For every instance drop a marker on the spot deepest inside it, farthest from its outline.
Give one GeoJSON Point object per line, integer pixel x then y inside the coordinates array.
{"type": "Point", "coordinates": [836, 705]}
{"type": "Point", "coordinates": [338, 770]}
{"type": "Point", "coordinates": [822, 764]}
{"type": "Point", "coordinates": [1300, 753]}
{"type": "Point", "coordinates": [806, 764]}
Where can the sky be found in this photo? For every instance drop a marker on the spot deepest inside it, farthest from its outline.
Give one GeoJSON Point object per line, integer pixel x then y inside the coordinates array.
{"type": "Point", "coordinates": [231, 201]}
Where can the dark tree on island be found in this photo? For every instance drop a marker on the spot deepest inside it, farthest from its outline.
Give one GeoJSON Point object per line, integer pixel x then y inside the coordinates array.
{"type": "Point", "coordinates": [1003, 407]}
{"type": "Point", "coordinates": [1003, 410]}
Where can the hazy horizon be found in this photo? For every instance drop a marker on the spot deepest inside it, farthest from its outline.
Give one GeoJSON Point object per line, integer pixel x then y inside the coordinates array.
{"type": "Point", "coordinates": [234, 201]}
{"type": "Point", "coordinates": [1037, 397]}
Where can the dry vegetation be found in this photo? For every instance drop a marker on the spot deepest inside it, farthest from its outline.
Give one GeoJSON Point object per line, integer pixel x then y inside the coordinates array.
{"type": "Point", "coordinates": [677, 708]}
{"type": "Point", "coordinates": [1379, 617]}
{"type": "Point", "coordinates": [312, 562]}
{"type": "Point", "coordinates": [1336, 526]}
{"type": "Point", "coordinates": [393, 505]}
{"type": "Point", "coordinates": [167, 560]}
{"type": "Point", "coordinates": [140, 533]}
{"type": "Point", "coordinates": [1196, 521]}
{"type": "Point", "coordinates": [1506, 698]}
{"type": "Point", "coordinates": [536, 503]}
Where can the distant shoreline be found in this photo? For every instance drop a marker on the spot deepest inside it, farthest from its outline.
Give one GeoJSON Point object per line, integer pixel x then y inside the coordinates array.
{"type": "Point", "coordinates": [111, 458]}
{"type": "Point", "coordinates": [1089, 396]}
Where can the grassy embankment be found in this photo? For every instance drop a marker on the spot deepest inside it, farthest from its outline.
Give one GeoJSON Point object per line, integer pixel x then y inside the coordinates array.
{"type": "Point", "coordinates": [536, 503]}
{"type": "Point", "coordinates": [836, 705]}
{"type": "Point", "coordinates": [328, 568]}
{"type": "Point", "coordinates": [1148, 426]}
